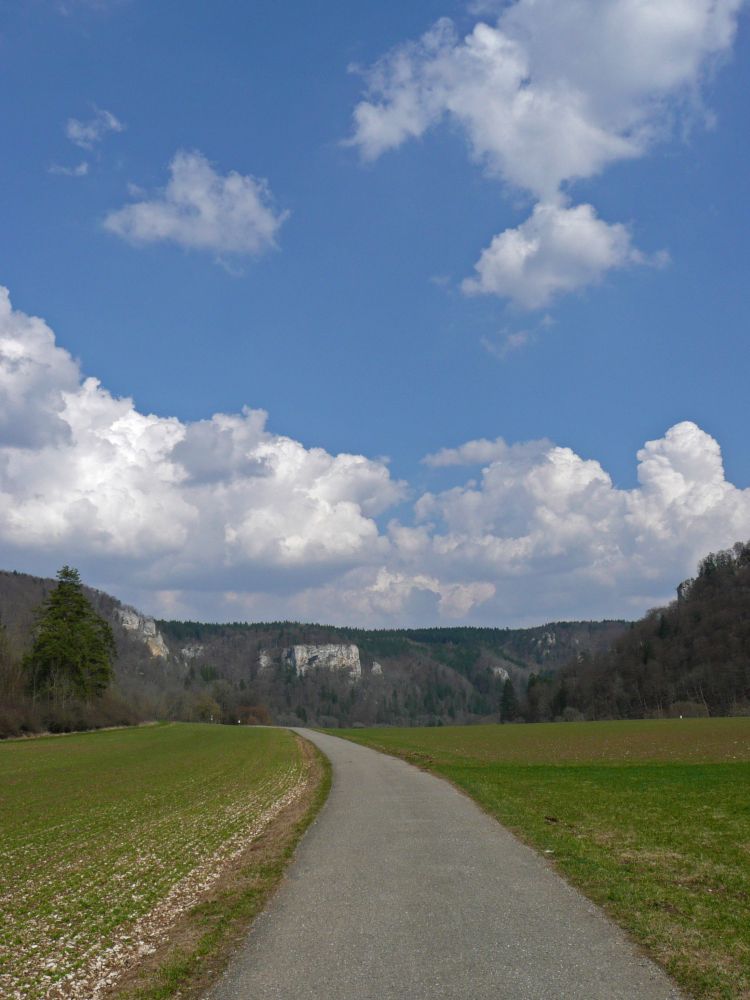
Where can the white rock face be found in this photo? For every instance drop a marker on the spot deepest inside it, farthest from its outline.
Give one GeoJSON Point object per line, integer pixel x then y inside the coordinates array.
{"type": "Point", "coordinates": [190, 652]}
{"type": "Point", "coordinates": [326, 657]}
{"type": "Point", "coordinates": [129, 618]}
{"type": "Point", "coordinates": [501, 672]}
{"type": "Point", "coordinates": [146, 629]}
{"type": "Point", "coordinates": [265, 661]}
{"type": "Point", "coordinates": [377, 670]}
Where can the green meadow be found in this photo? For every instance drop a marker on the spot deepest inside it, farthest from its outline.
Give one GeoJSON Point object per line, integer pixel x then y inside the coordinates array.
{"type": "Point", "coordinates": [99, 829]}
{"type": "Point", "coordinates": [650, 819]}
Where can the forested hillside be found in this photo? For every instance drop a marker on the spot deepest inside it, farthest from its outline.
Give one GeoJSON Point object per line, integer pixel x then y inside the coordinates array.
{"type": "Point", "coordinates": [689, 658]}
{"type": "Point", "coordinates": [408, 676]}
{"type": "Point", "coordinates": [242, 673]}
{"type": "Point", "coordinates": [24, 709]}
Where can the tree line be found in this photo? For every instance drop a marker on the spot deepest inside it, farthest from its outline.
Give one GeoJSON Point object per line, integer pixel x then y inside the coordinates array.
{"type": "Point", "coordinates": [691, 657]}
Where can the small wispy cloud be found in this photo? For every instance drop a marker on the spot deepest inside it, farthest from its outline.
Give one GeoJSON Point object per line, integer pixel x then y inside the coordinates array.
{"type": "Point", "coordinates": [80, 170]}
{"type": "Point", "coordinates": [200, 209]}
{"type": "Point", "coordinates": [506, 344]}
{"type": "Point", "coordinates": [478, 452]}
{"type": "Point", "coordinates": [69, 7]}
{"type": "Point", "coordinates": [508, 341]}
{"type": "Point", "coordinates": [88, 134]}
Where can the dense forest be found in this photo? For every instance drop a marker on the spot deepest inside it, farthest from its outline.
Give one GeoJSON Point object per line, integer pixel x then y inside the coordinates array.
{"type": "Point", "coordinates": [423, 676]}
{"type": "Point", "coordinates": [689, 658]}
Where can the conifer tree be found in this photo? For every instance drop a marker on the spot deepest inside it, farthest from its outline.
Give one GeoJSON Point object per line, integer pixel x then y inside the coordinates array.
{"type": "Point", "coordinates": [73, 646]}
{"type": "Point", "coordinates": [508, 702]}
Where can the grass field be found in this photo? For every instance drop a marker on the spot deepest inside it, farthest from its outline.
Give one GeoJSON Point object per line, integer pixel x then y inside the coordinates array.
{"type": "Point", "coordinates": [106, 837]}
{"type": "Point", "coordinates": [650, 819]}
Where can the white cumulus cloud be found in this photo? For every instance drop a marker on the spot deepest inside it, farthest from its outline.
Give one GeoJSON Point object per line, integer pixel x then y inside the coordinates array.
{"type": "Point", "coordinates": [551, 531]}
{"type": "Point", "coordinates": [203, 210]}
{"type": "Point", "coordinates": [547, 94]}
{"type": "Point", "coordinates": [84, 474]}
{"type": "Point", "coordinates": [223, 518]}
{"type": "Point", "coordinates": [558, 249]}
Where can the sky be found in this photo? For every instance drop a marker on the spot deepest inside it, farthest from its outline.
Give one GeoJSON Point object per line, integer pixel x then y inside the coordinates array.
{"type": "Point", "coordinates": [375, 314]}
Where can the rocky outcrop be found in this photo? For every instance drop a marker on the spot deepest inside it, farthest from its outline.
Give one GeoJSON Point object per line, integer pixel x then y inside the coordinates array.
{"type": "Point", "coordinates": [146, 630]}
{"type": "Point", "coordinates": [265, 660]}
{"type": "Point", "coordinates": [325, 657]}
{"type": "Point", "coordinates": [191, 652]}
{"type": "Point", "coordinates": [376, 670]}
{"type": "Point", "coordinates": [129, 619]}
{"type": "Point", "coordinates": [500, 672]}
{"type": "Point", "coordinates": [547, 641]}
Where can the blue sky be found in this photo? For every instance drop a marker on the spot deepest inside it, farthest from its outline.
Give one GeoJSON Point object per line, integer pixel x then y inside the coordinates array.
{"type": "Point", "coordinates": [411, 237]}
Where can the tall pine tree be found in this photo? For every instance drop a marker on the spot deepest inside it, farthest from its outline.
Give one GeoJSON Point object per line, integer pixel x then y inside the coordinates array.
{"type": "Point", "coordinates": [508, 702]}
{"type": "Point", "coordinates": [73, 646]}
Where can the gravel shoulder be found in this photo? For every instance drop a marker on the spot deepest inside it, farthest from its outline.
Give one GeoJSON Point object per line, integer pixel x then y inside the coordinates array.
{"type": "Point", "coordinates": [404, 888]}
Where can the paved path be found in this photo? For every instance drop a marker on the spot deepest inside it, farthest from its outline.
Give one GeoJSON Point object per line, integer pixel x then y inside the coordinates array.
{"type": "Point", "coordinates": [403, 888]}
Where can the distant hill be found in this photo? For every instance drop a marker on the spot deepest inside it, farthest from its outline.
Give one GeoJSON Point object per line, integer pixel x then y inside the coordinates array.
{"type": "Point", "coordinates": [689, 658]}
{"type": "Point", "coordinates": [292, 672]}
{"type": "Point", "coordinates": [407, 676]}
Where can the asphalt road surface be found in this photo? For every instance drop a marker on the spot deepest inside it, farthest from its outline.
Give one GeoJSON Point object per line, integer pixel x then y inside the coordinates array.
{"type": "Point", "coordinates": [403, 888]}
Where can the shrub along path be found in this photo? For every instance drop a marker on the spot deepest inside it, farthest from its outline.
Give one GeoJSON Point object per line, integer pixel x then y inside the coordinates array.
{"type": "Point", "coordinates": [404, 888]}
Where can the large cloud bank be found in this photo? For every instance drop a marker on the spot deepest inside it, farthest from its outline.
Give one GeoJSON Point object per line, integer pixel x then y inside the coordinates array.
{"type": "Point", "coordinates": [548, 94]}
{"type": "Point", "coordinates": [223, 518]}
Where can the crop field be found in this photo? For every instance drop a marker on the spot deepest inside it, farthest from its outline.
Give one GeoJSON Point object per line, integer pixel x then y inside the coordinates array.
{"type": "Point", "coordinates": [650, 819]}
{"type": "Point", "coordinates": [106, 838]}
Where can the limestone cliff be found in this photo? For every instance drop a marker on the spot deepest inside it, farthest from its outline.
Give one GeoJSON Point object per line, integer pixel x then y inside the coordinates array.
{"type": "Point", "coordinates": [192, 651]}
{"type": "Point", "coordinates": [146, 630]}
{"type": "Point", "coordinates": [325, 657]}
{"type": "Point", "coordinates": [265, 660]}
